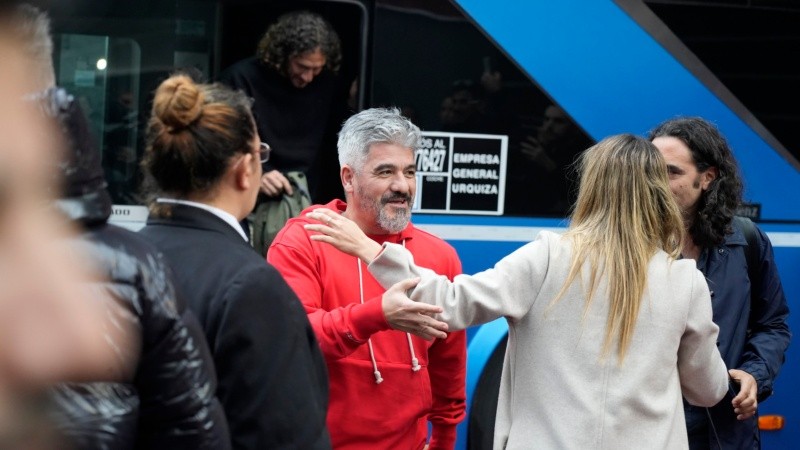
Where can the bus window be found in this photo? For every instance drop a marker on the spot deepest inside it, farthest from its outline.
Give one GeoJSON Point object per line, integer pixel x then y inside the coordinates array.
{"type": "Point", "coordinates": [441, 70]}
{"type": "Point", "coordinates": [103, 74]}
{"type": "Point", "coordinates": [111, 56]}
{"type": "Point", "coordinates": [82, 61]}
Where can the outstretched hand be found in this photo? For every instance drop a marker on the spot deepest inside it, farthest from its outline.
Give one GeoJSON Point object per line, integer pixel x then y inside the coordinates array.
{"type": "Point", "coordinates": [343, 234]}
{"type": "Point", "coordinates": [746, 402]}
{"type": "Point", "coordinates": [400, 311]}
{"type": "Point", "coordinates": [405, 314]}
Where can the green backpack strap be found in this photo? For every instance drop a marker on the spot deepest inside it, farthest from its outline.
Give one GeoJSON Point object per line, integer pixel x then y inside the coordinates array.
{"type": "Point", "coordinates": [271, 214]}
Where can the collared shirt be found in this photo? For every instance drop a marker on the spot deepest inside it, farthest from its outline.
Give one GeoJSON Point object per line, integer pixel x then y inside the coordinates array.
{"type": "Point", "coordinates": [224, 215]}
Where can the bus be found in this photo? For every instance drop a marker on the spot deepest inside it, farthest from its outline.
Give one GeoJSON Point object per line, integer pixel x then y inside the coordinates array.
{"type": "Point", "coordinates": [529, 83]}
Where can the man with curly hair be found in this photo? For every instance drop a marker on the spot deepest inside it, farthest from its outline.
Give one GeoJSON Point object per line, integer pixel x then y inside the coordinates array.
{"type": "Point", "coordinates": [298, 103]}
{"type": "Point", "coordinates": [751, 311]}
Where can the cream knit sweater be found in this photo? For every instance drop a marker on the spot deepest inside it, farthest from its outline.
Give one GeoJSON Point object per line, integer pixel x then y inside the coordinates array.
{"type": "Point", "coordinates": [557, 392]}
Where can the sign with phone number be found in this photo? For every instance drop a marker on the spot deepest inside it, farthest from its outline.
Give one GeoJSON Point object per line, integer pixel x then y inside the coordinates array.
{"type": "Point", "coordinates": [460, 173]}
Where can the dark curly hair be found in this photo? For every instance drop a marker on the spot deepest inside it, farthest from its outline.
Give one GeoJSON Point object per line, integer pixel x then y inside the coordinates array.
{"type": "Point", "coordinates": [296, 33]}
{"type": "Point", "coordinates": [718, 204]}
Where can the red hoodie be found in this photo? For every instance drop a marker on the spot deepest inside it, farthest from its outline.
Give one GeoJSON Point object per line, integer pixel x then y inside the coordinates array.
{"type": "Point", "coordinates": [362, 413]}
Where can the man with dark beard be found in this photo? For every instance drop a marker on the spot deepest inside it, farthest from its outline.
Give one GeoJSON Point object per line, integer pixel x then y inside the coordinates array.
{"type": "Point", "coordinates": [747, 299]}
{"type": "Point", "coordinates": [373, 360]}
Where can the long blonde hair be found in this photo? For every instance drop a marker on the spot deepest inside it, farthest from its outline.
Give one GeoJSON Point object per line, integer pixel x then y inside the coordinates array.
{"type": "Point", "coordinates": [625, 213]}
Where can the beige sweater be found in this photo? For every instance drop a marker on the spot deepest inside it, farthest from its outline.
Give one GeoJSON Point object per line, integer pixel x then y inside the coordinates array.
{"type": "Point", "coordinates": [556, 391]}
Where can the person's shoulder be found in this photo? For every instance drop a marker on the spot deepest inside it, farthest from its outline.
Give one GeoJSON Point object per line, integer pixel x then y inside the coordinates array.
{"type": "Point", "coordinates": [294, 236]}
{"type": "Point", "coordinates": [555, 243]}
{"type": "Point", "coordinates": [759, 234]}
{"type": "Point", "coordinates": [547, 247]}
{"type": "Point", "coordinates": [245, 63]}
{"type": "Point", "coordinates": [683, 266]}
{"type": "Point", "coordinates": [124, 240]}
{"type": "Point", "coordinates": [677, 271]}
{"type": "Point", "coordinates": [155, 233]}
{"type": "Point", "coordinates": [676, 281]}
{"type": "Point", "coordinates": [551, 237]}
{"type": "Point", "coordinates": [256, 284]}
{"type": "Point", "coordinates": [130, 258]}
{"type": "Point", "coordinates": [296, 224]}
{"type": "Point", "coordinates": [255, 270]}
{"type": "Point", "coordinates": [243, 68]}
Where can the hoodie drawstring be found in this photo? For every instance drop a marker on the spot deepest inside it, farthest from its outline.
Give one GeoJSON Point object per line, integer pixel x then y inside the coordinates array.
{"type": "Point", "coordinates": [414, 361]}
{"type": "Point", "coordinates": [377, 373]}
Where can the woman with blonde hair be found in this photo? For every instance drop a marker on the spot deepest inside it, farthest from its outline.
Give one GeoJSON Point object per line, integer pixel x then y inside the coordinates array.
{"type": "Point", "coordinates": [607, 329]}
{"type": "Point", "coordinates": [203, 160]}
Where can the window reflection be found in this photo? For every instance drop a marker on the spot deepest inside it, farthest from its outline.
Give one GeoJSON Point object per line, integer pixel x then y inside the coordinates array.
{"type": "Point", "coordinates": [431, 60]}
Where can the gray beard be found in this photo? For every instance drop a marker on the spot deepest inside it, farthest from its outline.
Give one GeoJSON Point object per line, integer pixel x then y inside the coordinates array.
{"type": "Point", "coordinates": [394, 224]}
{"type": "Point", "coordinates": [388, 223]}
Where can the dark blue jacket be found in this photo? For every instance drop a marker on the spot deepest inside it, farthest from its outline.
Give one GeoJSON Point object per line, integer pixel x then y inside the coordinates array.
{"type": "Point", "coordinates": [753, 335]}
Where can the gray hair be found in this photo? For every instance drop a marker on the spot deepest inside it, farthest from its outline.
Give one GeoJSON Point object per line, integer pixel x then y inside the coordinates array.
{"type": "Point", "coordinates": [32, 28]}
{"type": "Point", "coordinates": [374, 126]}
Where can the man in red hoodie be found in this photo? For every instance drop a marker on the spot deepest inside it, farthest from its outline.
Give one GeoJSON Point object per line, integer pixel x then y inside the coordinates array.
{"type": "Point", "coordinates": [385, 384]}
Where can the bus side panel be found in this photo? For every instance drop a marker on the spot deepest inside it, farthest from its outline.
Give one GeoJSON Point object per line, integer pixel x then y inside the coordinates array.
{"type": "Point", "coordinates": [786, 396]}
{"type": "Point", "coordinates": [612, 77]}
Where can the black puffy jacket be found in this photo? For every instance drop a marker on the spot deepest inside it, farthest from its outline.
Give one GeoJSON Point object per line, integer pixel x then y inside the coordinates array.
{"type": "Point", "coordinates": [166, 397]}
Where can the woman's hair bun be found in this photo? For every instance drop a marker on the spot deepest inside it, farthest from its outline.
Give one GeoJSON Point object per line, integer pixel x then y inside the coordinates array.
{"type": "Point", "coordinates": [178, 102]}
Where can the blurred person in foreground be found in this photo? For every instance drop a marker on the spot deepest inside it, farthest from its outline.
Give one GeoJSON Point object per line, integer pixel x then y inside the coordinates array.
{"type": "Point", "coordinates": [160, 394]}
{"type": "Point", "coordinates": [203, 166]}
{"type": "Point", "coordinates": [27, 229]}
{"type": "Point", "coordinates": [748, 302]}
{"type": "Point", "coordinates": [156, 390]}
{"type": "Point", "coordinates": [48, 331]}
{"type": "Point", "coordinates": [607, 329]}
{"type": "Point", "coordinates": [386, 385]}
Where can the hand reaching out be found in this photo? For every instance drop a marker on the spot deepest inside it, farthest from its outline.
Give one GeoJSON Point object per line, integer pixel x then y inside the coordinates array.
{"type": "Point", "coordinates": [405, 314]}
{"type": "Point", "coordinates": [400, 312]}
